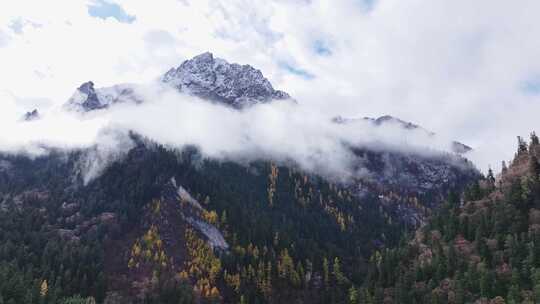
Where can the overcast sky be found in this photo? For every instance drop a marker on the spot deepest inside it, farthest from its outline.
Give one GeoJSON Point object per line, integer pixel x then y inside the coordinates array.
{"type": "Point", "coordinates": [469, 70]}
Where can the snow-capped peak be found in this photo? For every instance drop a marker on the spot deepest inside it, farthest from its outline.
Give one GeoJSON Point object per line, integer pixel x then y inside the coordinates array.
{"type": "Point", "coordinates": [217, 80]}
{"type": "Point", "coordinates": [87, 98]}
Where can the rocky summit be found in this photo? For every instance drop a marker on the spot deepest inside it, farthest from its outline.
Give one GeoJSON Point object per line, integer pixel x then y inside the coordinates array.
{"type": "Point", "coordinates": [204, 76]}
{"type": "Point", "coordinates": [217, 80]}
{"type": "Point", "coordinates": [87, 98]}
{"type": "Point", "coordinates": [31, 115]}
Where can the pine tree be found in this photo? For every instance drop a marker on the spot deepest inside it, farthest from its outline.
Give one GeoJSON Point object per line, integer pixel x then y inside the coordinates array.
{"type": "Point", "coordinates": [534, 139]}
{"type": "Point", "coordinates": [242, 300]}
{"type": "Point", "coordinates": [504, 168]}
{"type": "Point", "coordinates": [379, 296]}
{"type": "Point", "coordinates": [513, 291]}
{"type": "Point", "coordinates": [340, 277]}
{"type": "Point", "coordinates": [490, 179]}
{"type": "Point", "coordinates": [460, 292]}
{"type": "Point", "coordinates": [353, 295]}
{"type": "Point", "coordinates": [326, 273]}
{"type": "Point", "coordinates": [484, 284]}
{"type": "Point", "coordinates": [534, 167]}
{"type": "Point", "coordinates": [535, 279]}
{"type": "Point", "coordinates": [522, 146]}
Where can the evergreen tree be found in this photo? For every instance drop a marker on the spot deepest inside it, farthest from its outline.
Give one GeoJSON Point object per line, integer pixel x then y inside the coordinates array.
{"type": "Point", "coordinates": [353, 295]}
{"type": "Point", "coordinates": [534, 139]}
{"type": "Point", "coordinates": [326, 273]}
{"type": "Point", "coordinates": [338, 275]}
{"type": "Point", "coordinates": [522, 146]}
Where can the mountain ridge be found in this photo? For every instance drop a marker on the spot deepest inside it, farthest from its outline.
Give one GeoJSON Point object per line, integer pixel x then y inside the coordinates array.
{"type": "Point", "coordinates": [217, 80]}
{"type": "Point", "coordinates": [204, 76]}
{"type": "Point", "coordinates": [455, 146]}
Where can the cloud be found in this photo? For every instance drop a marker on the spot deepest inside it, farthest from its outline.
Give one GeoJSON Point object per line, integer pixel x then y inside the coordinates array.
{"type": "Point", "coordinates": [281, 130]}
{"type": "Point", "coordinates": [4, 39]}
{"type": "Point", "coordinates": [459, 68]}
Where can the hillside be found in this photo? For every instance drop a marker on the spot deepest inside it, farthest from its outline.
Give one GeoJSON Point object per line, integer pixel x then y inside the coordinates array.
{"type": "Point", "coordinates": [481, 248]}
{"type": "Point", "coordinates": [164, 224]}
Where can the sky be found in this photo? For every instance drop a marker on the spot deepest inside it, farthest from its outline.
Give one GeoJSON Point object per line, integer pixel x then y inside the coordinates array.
{"type": "Point", "coordinates": [468, 70]}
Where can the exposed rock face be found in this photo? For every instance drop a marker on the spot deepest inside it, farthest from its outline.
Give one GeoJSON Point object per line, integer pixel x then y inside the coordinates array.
{"type": "Point", "coordinates": [87, 98]}
{"type": "Point", "coordinates": [217, 80]}
{"type": "Point", "coordinates": [398, 176]}
{"type": "Point", "coordinates": [192, 213]}
{"type": "Point", "coordinates": [388, 119]}
{"type": "Point", "coordinates": [32, 115]}
{"type": "Point", "coordinates": [460, 148]}
{"type": "Point", "coordinates": [203, 76]}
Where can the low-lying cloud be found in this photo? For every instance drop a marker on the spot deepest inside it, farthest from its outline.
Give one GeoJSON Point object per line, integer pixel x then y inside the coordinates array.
{"type": "Point", "coordinates": [280, 130]}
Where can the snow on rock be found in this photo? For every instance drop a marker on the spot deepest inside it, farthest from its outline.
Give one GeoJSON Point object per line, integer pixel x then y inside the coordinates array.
{"type": "Point", "coordinates": [31, 116]}
{"type": "Point", "coordinates": [203, 76]}
{"type": "Point", "coordinates": [217, 80]}
{"type": "Point", "coordinates": [87, 98]}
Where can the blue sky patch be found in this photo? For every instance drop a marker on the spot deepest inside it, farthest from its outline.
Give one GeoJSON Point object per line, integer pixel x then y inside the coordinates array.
{"type": "Point", "coordinates": [105, 9]}
{"type": "Point", "coordinates": [321, 48]}
{"type": "Point", "coordinates": [296, 70]}
{"type": "Point", "coordinates": [367, 5]}
{"type": "Point", "coordinates": [531, 86]}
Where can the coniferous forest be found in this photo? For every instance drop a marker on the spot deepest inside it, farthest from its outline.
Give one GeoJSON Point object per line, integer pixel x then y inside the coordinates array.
{"type": "Point", "coordinates": [269, 152]}
{"type": "Point", "coordinates": [291, 237]}
{"type": "Point", "coordinates": [481, 247]}
{"type": "Point", "coordinates": [128, 237]}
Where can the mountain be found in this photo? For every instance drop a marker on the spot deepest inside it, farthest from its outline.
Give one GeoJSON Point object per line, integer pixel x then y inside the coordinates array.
{"type": "Point", "coordinates": [87, 98]}
{"type": "Point", "coordinates": [415, 181]}
{"type": "Point", "coordinates": [482, 247]}
{"type": "Point", "coordinates": [204, 76]}
{"type": "Point", "coordinates": [32, 115]}
{"type": "Point", "coordinates": [217, 80]}
{"type": "Point", "coordinates": [388, 120]}
{"type": "Point", "coordinates": [412, 183]}
{"type": "Point", "coordinates": [164, 225]}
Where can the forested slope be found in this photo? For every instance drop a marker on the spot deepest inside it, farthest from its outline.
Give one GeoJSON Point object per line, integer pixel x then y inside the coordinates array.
{"type": "Point", "coordinates": [483, 247]}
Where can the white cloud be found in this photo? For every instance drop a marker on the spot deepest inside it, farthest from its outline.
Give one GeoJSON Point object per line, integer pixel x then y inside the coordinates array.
{"type": "Point", "coordinates": [281, 131]}
{"type": "Point", "coordinates": [455, 67]}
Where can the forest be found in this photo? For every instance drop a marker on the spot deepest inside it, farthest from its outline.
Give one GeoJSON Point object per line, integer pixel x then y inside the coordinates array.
{"type": "Point", "coordinates": [480, 247]}
{"type": "Point", "coordinates": [292, 237]}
